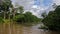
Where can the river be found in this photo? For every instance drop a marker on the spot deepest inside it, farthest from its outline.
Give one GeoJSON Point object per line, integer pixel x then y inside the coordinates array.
{"type": "Point", "coordinates": [20, 29]}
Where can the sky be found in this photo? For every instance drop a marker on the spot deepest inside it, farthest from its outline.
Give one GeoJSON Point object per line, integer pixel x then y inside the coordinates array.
{"type": "Point", "coordinates": [37, 7]}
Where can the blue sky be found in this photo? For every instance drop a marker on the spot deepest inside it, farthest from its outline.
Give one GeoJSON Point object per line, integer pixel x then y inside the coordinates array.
{"type": "Point", "coordinates": [44, 2]}
{"type": "Point", "coordinates": [47, 2]}
{"type": "Point", "coordinates": [44, 5]}
{"type": "Point", "coordinates": [36, 2]}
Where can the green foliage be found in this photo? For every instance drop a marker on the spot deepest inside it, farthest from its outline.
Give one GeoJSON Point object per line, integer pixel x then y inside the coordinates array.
{"type": "Point", "coordinates": [5, 8]}
{"type": "Point", "coordinates": [19, 18]}
{"type": "Point", "coordinates": [44, 14]}
{"type": "Point", "coordinates": [52, 21]}
{"type": "Point", "coordinates": [30, 17]}
{"type": "Point", "coordinates": [26, 18]}
{"type": "Point", "coordinates": [21, 9]}
{"type": "Point", "coordinates": [1, 20]}
{"type": "Point", "coordinates": [5, 5]}
{"type": "Point", "coordinates": [7, 21]}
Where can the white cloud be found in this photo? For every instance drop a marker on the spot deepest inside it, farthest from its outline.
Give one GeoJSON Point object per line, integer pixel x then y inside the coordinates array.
{"type": "Point", "coordinates": [26, 3]}
{"type": "Point", "coordinates": [57, 2]}
{"type": "Point", "coordinates": [34, 6]}
{"type": "Point", "coordinates": [38, 10]}
{"type": "Point", "coordinates": [29, 5]}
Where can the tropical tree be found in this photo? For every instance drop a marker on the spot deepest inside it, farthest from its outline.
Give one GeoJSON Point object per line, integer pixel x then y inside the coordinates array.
{"type": "Point", "coordinates": [44, 14]}
{"type": "Point", "coordinates": [26, 18]}
{"type": "Point", "coordinates": [52, 21]}
{"type": "Point", "coordinates": [21, 9]}
{"type": "Point", "coordinates": [6, 4]}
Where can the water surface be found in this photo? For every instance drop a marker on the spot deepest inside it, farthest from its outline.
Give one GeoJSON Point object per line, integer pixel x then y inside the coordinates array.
{"type": "Point", "coordinates": [20, 29]}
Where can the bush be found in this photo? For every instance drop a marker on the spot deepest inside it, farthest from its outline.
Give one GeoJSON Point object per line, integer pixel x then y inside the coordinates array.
{"type": "Point", "coordinates": [1, 20]}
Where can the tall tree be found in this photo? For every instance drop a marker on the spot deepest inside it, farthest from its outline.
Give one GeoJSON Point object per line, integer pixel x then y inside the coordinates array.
{"type": "Point", "coordinates": [21, 9]}
{"type": "Point", "coordinates": [44, 14]}
{"type": "Point", "coordinates": [6, 4]}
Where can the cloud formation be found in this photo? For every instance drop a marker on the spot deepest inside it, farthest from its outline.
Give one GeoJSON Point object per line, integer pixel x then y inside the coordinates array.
{"type": "Point", "coordinates": [36, 6]}
{"type": "Point", "coordinates": [26, 3]}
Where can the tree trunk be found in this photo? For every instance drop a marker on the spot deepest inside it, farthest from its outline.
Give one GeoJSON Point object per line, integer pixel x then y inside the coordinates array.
{"type": "Point", "coordinates": [4, 15]}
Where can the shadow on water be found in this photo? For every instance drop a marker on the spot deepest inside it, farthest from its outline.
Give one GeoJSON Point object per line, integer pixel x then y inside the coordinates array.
{"type": "Point", "coordinates": [21, 29]}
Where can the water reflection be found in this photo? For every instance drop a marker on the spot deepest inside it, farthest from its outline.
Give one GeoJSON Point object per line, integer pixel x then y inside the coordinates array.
{"type": "Point", "coordinates": [20, 29]}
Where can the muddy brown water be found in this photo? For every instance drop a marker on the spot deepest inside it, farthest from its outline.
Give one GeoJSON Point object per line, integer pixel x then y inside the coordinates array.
{"type": "Point", "coordinates": [20, 29]}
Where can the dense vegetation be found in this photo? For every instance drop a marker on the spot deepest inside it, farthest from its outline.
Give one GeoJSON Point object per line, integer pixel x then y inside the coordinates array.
{"type": "Point", "coordinates": [5, 6]}
{"type": "Point", "coordinates": [5, 9]}
{"type": "Point", "coordinates": [52, 20]}
{"type": "Point", "coordinates": [26, 17]}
